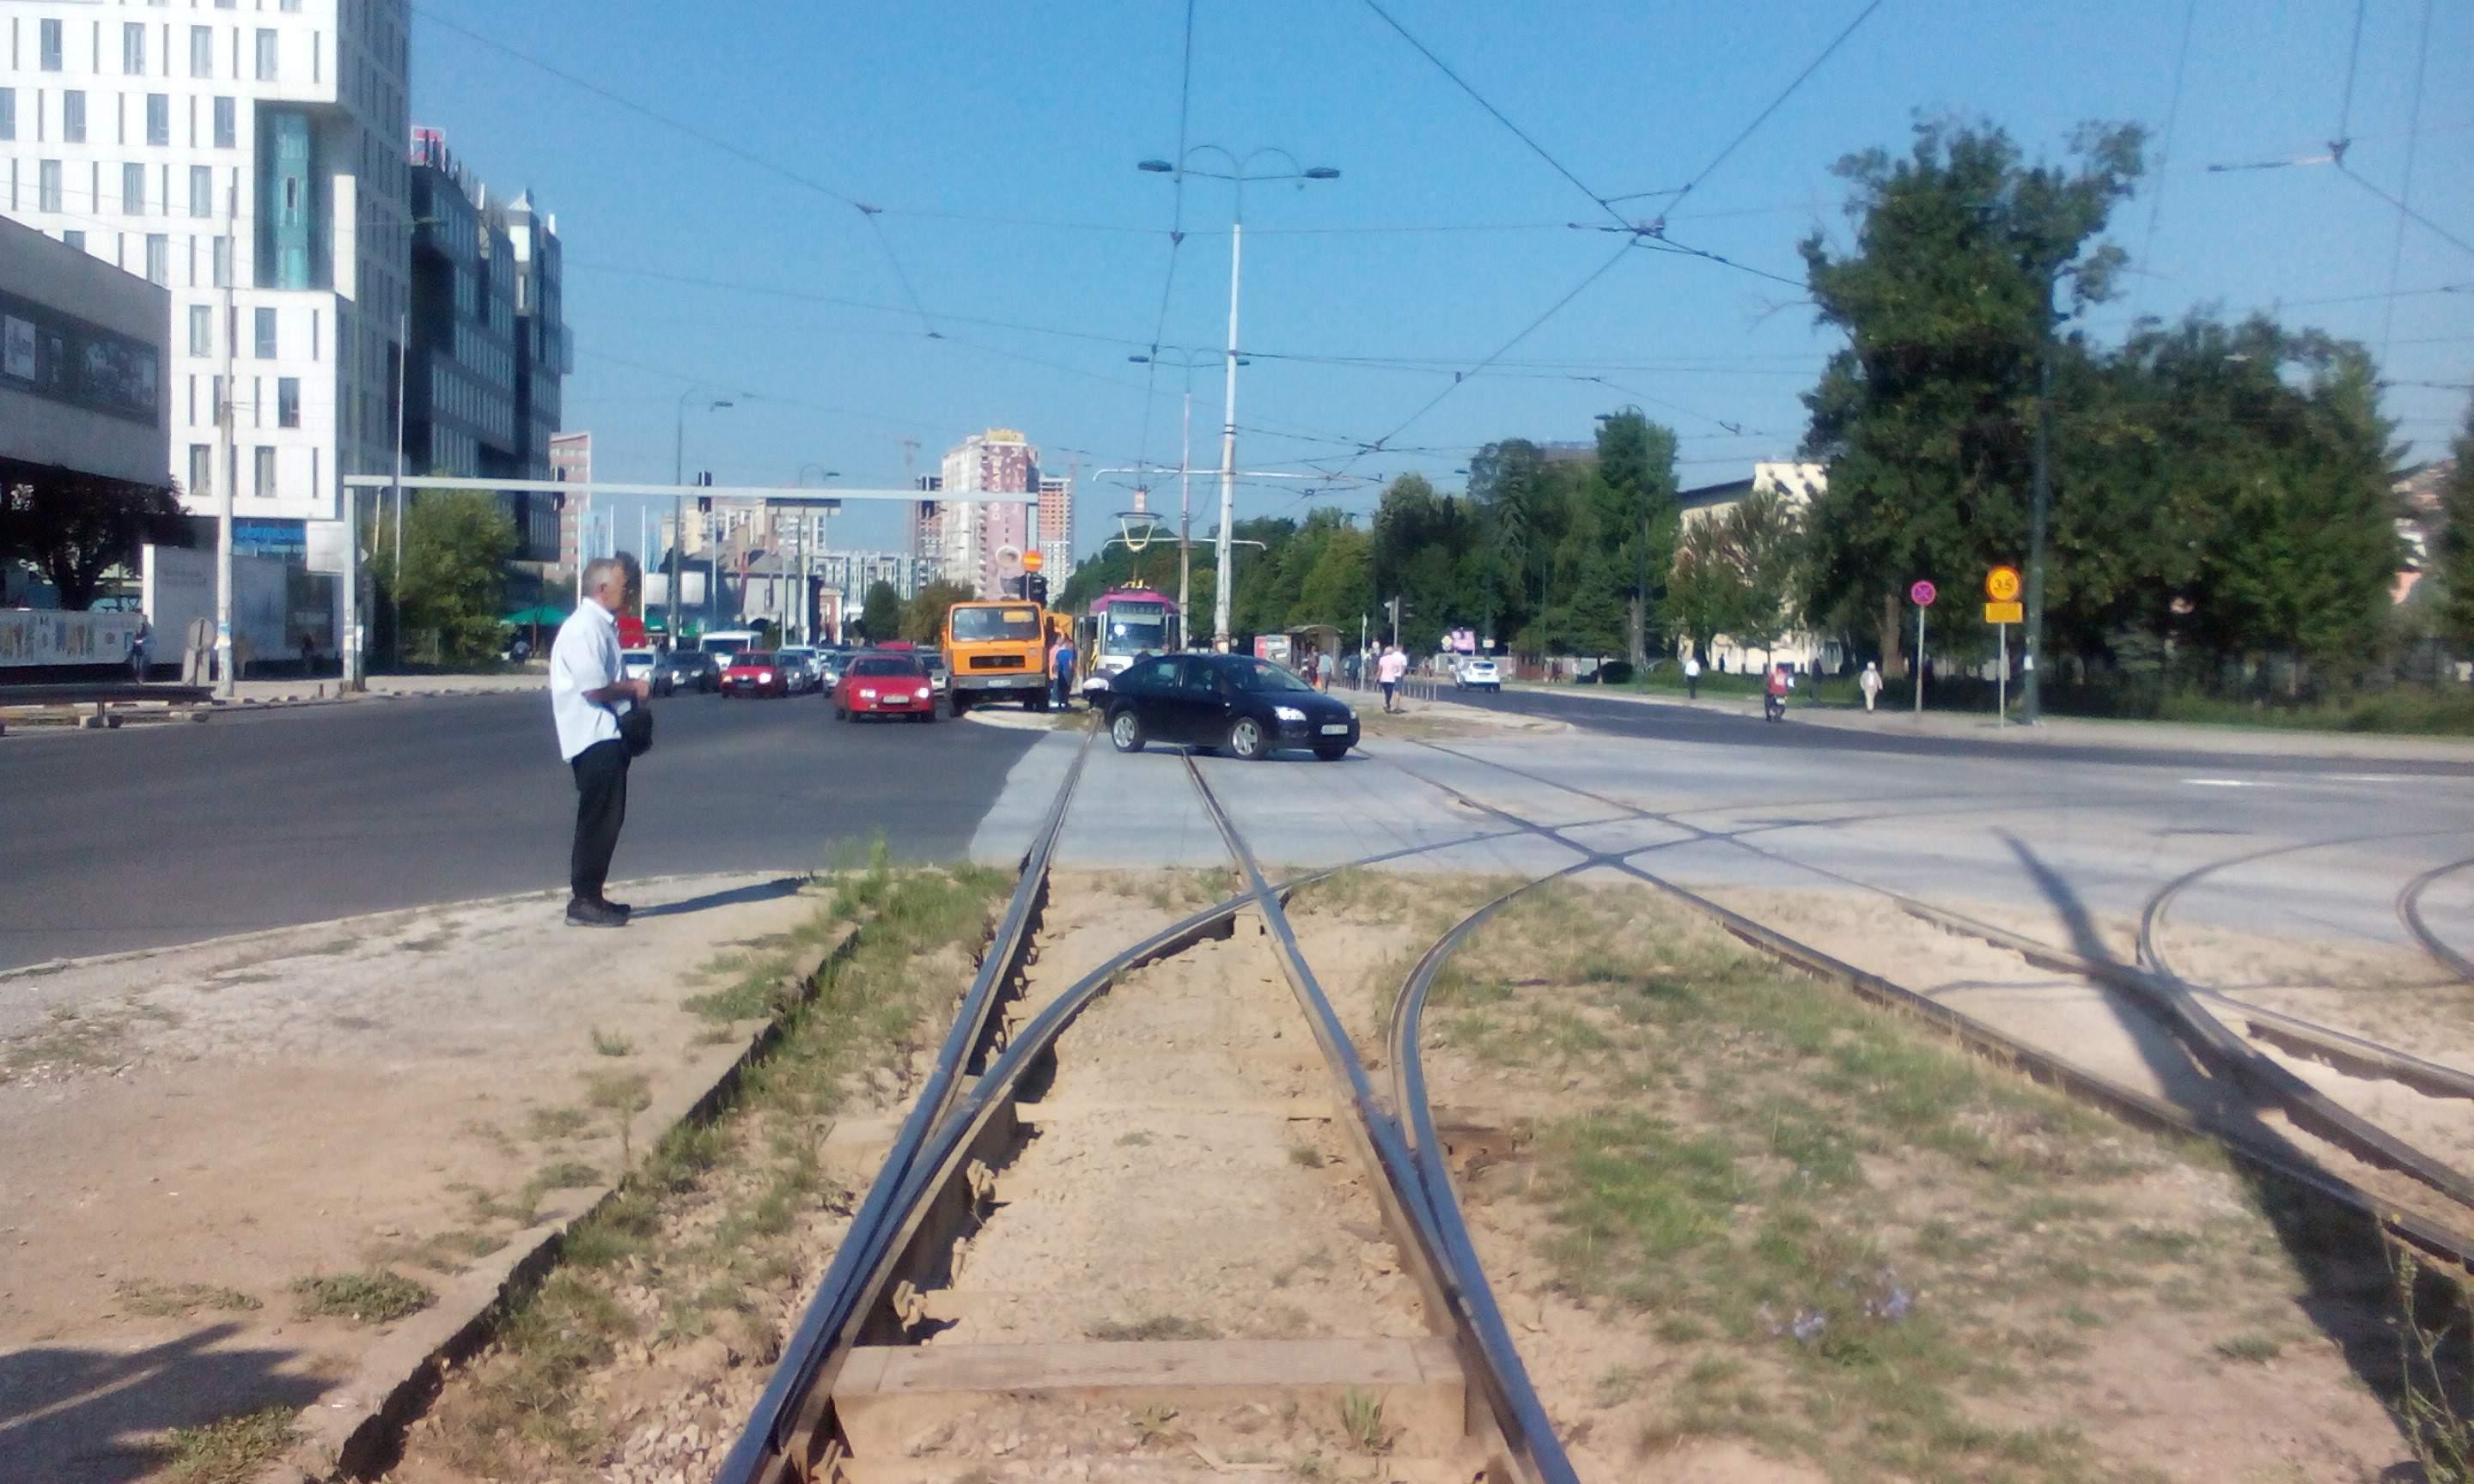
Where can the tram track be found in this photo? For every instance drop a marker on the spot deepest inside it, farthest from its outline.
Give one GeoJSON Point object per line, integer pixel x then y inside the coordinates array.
{"type": "Point", "coordinates": [2409, 904]}
{"type": "Point", "coordinates": [2185, 1009]}
{"type": "Point", "coordinates": [940, 1174]}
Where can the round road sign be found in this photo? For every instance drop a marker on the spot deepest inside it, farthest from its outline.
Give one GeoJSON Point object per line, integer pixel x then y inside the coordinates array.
{"type": "Point", "coordinates": [2002, 585]}
{"type": "Point", "coordinates": [1921, 594]}
{"type": "Point", "coordinates": [1032, 561]}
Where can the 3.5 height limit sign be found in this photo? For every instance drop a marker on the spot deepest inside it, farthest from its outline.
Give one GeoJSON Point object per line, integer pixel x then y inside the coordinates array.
{"type": "Point", "coordinates": [2001, 609]}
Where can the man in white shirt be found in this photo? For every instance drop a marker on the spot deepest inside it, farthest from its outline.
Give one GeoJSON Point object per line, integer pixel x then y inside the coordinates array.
{"type": "Point", "coordinates": [1389, 672]}
{"type": "Point", "coordinates": [587, 695]}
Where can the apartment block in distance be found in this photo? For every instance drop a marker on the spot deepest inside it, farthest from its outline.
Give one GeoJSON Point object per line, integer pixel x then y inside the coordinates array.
{"type": "Point", "coordinates": [1056, 529]}
{"type": "Point", "coordinates": [246, 159]}
{"type": "Point", "coordinates": [978, 535]}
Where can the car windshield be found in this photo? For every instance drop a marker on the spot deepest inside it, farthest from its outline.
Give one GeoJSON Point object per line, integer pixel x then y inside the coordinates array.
{"type": "Point", "coordinates": [724, 648]}
{"type": "Point", "coordinates": [748, 659]}
{"type": "Point", "coordinates": [636, 656]}
{"type": "Point", "coordinates": [1260, 675]}
{"type": "Point", "coordinates": [994, 625]}
{"type": "Point", "coordinates": [883, 664]}
{"type": "Point", "coordinates": [796, 653]}
{"type": "Point", "coordinates": [1132, 633]}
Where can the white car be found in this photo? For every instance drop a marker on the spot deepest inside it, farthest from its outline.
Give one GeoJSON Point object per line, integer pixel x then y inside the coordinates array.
{"type": "Point", "coordinates": [637, 665]}
{"type": "Point", "coordinates": [1477, 674]}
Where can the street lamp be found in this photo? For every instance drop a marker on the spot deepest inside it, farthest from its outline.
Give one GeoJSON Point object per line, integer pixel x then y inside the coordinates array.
{"type": "Point", "coordinates": [807, 630]}
{"type": "Point", "coordinates": [1238, 174]}
{"type": "Point", "coordinates": [1185, 482]}
{"type": "Point", "coordinates": [679, 510]}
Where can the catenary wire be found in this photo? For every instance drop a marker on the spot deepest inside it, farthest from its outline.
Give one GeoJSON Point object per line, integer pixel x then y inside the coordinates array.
{"type": "Point", "coordinates": [2405, 189]}
{"type": "Point", "coordinates": [1775, 104]}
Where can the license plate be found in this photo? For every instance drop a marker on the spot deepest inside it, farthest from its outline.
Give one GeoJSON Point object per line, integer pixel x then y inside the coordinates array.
{"type": "Point", "coordinates": [1335, 728]}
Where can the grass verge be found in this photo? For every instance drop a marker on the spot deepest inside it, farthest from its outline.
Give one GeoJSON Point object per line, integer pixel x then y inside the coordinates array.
{"type": "Point", "coordinates": [231, 1451]}
{"type": "Point", "coordinates": [719, 1229]}
{"type": "Point", "coordinates": [1823, 1232]}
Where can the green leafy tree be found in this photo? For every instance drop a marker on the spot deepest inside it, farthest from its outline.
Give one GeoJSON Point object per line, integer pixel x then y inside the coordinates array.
{"type": "Point", "coordinates": [1704, 595]}
{"type": "Point", "coordinates": [77, 526]}
{"type": "Point", "coordinates": [1633, 490]}
{"type": "Point", "coordinates": [1339, 587]}
{"type": "Point", "coordinates": [1764, 542]}
{"type": "Point", "coordinates": [2454, 556]}
{"type": "Point", "coordinates": [923, 617]}
{"type": "Point", "coordinates": [882, 614]}
{"type": "Point", "coordinates": [1925, 416]}
{"type": "Point", "coordinates": [1116, 567]}
{"type": "Point", "coordinates": [453, 586]}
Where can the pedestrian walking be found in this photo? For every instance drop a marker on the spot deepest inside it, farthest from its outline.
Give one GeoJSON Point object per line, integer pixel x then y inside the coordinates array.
{"type": "Point", "coordinates": [1061, 662]}
{"type": "Point", "coordinates": [1388, 672]}
{"type": "Point", "coordinates": [1870, 684]}
{"type": "Point", "coordinates": [588, 694]}
{"type": "Point", "coordinates": [1691, 678]}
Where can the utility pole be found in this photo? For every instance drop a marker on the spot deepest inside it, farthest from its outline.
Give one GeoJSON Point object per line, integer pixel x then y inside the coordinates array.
{"type": "Point", "coordinates": [2033, 640]}
{"type": "Point", "coordinates": [403, 393]}
{"type": "Point", "coordinates": [226, 678]}
{"type": "Point", "coordinates": [1220, 637]}
{"type": "Point", "coordinates": [1185, 524]}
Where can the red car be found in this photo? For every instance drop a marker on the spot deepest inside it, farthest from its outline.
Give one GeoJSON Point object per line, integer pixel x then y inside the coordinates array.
{"type": "Point", "coordinates": [752, 672]}
{"type": "Point", "coordinates": [878, 684]}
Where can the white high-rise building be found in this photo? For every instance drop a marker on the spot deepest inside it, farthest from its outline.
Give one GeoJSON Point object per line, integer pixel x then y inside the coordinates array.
{"type": "Point", "coordinates": [249, 160]}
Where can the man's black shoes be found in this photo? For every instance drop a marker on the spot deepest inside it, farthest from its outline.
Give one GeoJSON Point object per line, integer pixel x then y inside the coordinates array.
{"type": "Point", "coordinates": [595, 914]}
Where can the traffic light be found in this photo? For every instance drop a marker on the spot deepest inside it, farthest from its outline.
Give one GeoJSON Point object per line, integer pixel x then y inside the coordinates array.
{"type": "Point", "coordinates": [704, 505]}
{"type": "Point", "coordinates": [705, 477]}
{"type": "Point", "coordinates": [1035, 589]}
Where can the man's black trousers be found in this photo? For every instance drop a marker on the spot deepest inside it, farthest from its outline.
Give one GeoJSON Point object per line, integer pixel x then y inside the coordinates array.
{"type": "Point", "coordinates": [600, 809]}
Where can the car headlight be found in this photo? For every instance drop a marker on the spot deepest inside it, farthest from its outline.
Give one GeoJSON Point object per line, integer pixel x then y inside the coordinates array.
{"type": "Point", "coordinates": [763, 677]}
{"type": "Point", "coordinates": [1288, 713]}
{"type": "Point", "coordinates": [866, 694]}
{"type": "Point", "coordinates": [925, 693]}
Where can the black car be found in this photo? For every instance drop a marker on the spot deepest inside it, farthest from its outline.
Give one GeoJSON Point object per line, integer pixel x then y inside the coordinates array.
{"type": "Point", "coordinates": [1250, 707]}
{"type": "Point", "coordinates": [686, 670]}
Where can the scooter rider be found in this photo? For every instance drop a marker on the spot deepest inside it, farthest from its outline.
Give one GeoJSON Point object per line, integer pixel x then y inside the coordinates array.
{"type": "Point", "coordinates": [1780, 684]}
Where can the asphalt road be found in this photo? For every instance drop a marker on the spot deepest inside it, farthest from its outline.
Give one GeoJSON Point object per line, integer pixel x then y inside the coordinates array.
{"type": "Point", "coordinates": [1669, 723]}
{"type": "Point", "coordinates": [158, 835]}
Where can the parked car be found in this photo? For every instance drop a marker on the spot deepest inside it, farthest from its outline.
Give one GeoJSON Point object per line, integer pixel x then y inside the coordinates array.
{"type": "Point", "coordinates": [1250, 707]}
{"type": "Point", "coordinates": [1476, 673]}
{"type": "Point", "coordinates": [885, 685]}
{"type": "Point", "coordinates": [752, 672]}
{"type": "Point", "coordinates": [640, 664]}
{"type": "Point", "coordinates": [686, 670]}
{"type": "Point", "coordinates": [798, 662]}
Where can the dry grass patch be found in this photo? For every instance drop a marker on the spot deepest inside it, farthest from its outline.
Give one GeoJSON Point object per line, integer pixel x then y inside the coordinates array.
{"type": "Point", "coordinates": [231, 1451]}
{"type": "Point", "coordinates": [374, 1297]}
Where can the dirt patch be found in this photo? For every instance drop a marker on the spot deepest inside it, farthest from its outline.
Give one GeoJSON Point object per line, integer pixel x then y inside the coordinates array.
{"type": "Point", "coordinates": [1743, 1216]}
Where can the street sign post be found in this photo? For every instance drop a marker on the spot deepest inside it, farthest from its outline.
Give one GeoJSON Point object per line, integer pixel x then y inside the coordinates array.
{"type": "Point", "coordinates": [1921, 594]}
{"type": "Point", "coordinates": [2002, 609]}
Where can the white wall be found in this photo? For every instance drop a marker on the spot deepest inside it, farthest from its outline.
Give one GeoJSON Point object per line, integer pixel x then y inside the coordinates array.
{"type": "Point", "coordinates": [179, 586]}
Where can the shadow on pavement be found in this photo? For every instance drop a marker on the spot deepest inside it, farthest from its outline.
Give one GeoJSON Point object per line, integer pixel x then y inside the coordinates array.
{"type": "Point", "coordinates": [736, 897]}
{"type": "Point", "coordinates": [70, 1416]}
{"type": "Point", "coordinates": [2341, 1256]}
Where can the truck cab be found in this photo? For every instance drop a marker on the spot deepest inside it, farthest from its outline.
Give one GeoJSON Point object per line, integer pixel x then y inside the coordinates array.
{"type": "Point", "coordinates": [997, 651]}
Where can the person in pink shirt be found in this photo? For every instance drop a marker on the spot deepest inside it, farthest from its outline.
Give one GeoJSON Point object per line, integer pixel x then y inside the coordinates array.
{"type": "Point", "coordinates": [1388, 672]}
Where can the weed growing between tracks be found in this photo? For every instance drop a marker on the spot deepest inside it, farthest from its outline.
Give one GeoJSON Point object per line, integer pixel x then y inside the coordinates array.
{"type": "Point", "coordinates": [1774, 1216]}
{"type": "Point", "coordinates": [669, 1300]}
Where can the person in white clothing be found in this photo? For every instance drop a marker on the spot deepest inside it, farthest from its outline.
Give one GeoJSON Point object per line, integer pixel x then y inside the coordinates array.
{"type": "Point", "coordinates": [1870, 684]}
{"type": "Point", "coordinates": [1388, 672]}
{"type": "Point", "coordinates": [588, 693]}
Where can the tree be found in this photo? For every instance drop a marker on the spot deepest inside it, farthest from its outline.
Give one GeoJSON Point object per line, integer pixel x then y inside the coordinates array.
{"type": "Point", "coordinates": [456, 543]}
{"type": "Point", "coordinates": [1703, 596]}
{"type": "Point", "coordinates": [1337, 588]}
{"type": "Point", "coordinates": [1633, 491]}
{"type": "Point", "coordinates": [2454, 565]}
{"type": "Point", "coordinates": [923, 617]}
{"type": "Point", "coordinates": [1764, 542]}
{"type": "Point", "coordinates": [1925, 417]}
{"type": "Point", "coordinates": [77, 526]}
{"type": "Point", "coordinates": [882, 614]}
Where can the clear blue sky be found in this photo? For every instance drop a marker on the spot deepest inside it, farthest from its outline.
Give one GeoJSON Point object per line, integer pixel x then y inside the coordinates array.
{"type": "Point", "coordinates": [1001, 139]}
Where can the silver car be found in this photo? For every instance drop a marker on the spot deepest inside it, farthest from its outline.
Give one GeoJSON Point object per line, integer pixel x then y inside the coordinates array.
{"type": "Point", "coordinates": [798, 664]}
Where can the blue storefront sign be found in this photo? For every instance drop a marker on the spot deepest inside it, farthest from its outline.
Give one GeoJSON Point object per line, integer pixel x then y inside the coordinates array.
{"type": "Point", "coordinates": [263, 536]}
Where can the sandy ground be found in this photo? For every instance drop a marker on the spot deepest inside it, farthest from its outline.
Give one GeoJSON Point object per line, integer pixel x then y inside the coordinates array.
{"type": "Point", "coordinates": [209, 1125]}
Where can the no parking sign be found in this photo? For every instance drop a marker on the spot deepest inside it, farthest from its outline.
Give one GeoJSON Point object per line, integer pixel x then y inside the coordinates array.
{"type": "Point", "coordinates": [1923, 594]}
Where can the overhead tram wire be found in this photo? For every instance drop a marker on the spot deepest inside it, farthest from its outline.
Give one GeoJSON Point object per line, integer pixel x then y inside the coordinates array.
{"type": "Point", "coordinates": [1176, 241]}
{"type": "Point", "coordinates": [1747, 131]}
{"type": "Point", "coordinates": [2172, 115]}
{"type": "Point", "coordinates": [2413, 118]}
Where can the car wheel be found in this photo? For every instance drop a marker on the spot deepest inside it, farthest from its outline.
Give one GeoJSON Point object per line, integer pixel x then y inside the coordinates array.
{"type": "Point", "coordinates": [1329, 753]}
{"type": "Point", "coordinates": [1245, 740]}
{"type": "Point", "coordinates": [1126, 731]}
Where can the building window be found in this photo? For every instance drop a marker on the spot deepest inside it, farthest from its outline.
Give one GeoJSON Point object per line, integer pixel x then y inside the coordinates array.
{"type": "Point", "coordinates": [226, 125]}
{"type": "Point", "coordinates": [223, 263]}
{"type": "Point", "coordinates": [266, 71]}
{"type": "Point", "coordinates": [266, 334]}
{"type": "Point", "coordinates": [75, 239]}
{"type": "Point", "coordinates": [132, 189]}
{"type": "Point", "coordinates": [202, 191]}
{"type": "Point", "coordinates": [132, 48]}
{"type": "Point", "coordinates": [47, 186]}
{"type": "Point", "coordinates": [73, 115]}
{"type": "Point", "coordinates": [159, 118]}
{"type": "Point", "coordinates": [51, 47]}
{"type": "Point", "coordinates": [201, 51]}
{"type": "Point", "coordinates": [216, 392]}
{"type": "Point", "coordinates": [202, 469]}
{"type": "Point", "coordinates": [8, 113]}
{"type": "Point", "coordinates": [265, 487]}
{"type": "Point", "coordinates": [159, 260]}
{"type": "Point", "coordinates": [287, 401]}
{"type": "Point", "coordinates": [201, 329]}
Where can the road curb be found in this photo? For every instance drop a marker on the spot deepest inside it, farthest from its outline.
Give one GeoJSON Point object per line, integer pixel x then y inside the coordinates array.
{"type": "Point", "coordinates": [356, 1433]}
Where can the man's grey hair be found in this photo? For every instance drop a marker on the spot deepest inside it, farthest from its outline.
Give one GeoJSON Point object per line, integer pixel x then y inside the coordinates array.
{"type": "Point", "coordinates": [601, 569]}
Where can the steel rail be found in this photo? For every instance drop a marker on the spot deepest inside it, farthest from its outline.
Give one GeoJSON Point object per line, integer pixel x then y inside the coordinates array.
{"type": "Point", "coordinates": [792, 1401]}
{"type": "Point", "coordinates": [2410, 912]}
{"type": "Point", "coordinates": [806, 1353]}
{"type": "Point", "coordinates": [2151, 918]}
{"type": "Point", "coordinates": [1453, 1273]}
{"type": "Point", "coordinates": [2313, 1110]}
